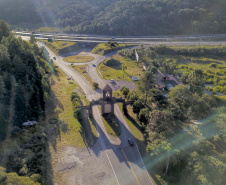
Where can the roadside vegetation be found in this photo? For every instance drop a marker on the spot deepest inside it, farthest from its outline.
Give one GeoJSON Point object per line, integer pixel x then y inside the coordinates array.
{"type": "Point", "coordinates": [82, 70]}
{"type": "Point", "coordinates": [62, 47]}
{"type": "Point", "coordinates": [178, 147]}
{"type": "Point", "coordinates": [112, 68]}
{"type": "Point", "coordinates": [24, 90]}
{"type": "Point", "coordinates": [78, 59]}
{"type": "Point", "coordinates": [105, 48]}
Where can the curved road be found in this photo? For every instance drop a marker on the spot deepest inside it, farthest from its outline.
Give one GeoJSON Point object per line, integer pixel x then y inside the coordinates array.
{"type": "Point", "coordinates": [126, 161]}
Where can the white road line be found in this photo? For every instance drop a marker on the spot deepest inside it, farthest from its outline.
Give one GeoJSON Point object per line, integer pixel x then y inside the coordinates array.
{"type": "Point", "coordinates": [144, 166]}
{"type": "Point", "coordinates": [112, 168]}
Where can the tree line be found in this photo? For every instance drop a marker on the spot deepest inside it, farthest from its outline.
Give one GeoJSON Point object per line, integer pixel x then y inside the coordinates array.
{"type": "Point", "coordinates": [117, 17]}
{"type": "Point", "coordinates": [24, 89]}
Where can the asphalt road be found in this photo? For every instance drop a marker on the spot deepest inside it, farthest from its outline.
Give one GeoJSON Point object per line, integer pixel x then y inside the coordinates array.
{"type": "Point", "coordinates": [126, 162]}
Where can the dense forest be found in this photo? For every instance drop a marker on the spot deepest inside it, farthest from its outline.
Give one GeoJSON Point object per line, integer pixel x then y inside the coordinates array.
{"type": "Point", "coordinates": [23, 91]}
{"type": "Point", "coordinates": [116, 17]}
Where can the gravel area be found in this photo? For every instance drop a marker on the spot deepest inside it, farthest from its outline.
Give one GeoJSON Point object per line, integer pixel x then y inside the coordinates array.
{"type": "Point", "coordinates": [80, 166]}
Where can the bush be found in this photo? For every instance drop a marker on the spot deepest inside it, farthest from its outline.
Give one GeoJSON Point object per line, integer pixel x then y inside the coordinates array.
{"type": "Point", "coordinates": [137, 106]}
{"type": "Point", "coordinates": [125, 91]}
{"type": "Point", "coordinates": [95, 85]}
{"type": "Point", "coordinates": [74, 95]}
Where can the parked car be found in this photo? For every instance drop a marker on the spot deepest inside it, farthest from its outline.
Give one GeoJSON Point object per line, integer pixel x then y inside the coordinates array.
{"type": "Point", "coordinates": [54, 58]}
{"type": "Point", "coordinates": [112, 80]}
{"type": "Point", "coordinates": [130, 141]}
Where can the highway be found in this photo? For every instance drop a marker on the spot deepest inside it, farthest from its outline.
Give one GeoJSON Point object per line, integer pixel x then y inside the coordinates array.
{"type": "Point", "coordinates": [126, 161]}
{"type": "Point", "coordinates": [147, 40]}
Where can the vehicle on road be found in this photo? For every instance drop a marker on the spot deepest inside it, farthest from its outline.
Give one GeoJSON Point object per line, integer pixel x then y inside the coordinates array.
{"type": "Point", "coordinates": [130, 141]}
{"type": "Point", "coordinates": [94, 65]}
{"type": "Point", "coordinates": [112, 81]}
{"type": "Point", "coordinates": [54, 58]}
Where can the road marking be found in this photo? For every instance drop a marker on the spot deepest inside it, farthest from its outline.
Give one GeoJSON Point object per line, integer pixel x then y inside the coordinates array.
{"type": "Point", "coordinates": [144, 166]}
{"type": "Point", "coordinates": [112, 168]}
{"type": "Point", "coordinates": [130, 167]}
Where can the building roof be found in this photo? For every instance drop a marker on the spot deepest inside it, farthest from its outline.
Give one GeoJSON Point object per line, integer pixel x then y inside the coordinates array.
{"type": "Point", "coordinates": [107, 88]}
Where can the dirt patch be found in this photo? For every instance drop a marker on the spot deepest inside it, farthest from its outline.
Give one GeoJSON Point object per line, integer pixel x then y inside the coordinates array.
{"type": "Point", "coordinates": [80, 166]}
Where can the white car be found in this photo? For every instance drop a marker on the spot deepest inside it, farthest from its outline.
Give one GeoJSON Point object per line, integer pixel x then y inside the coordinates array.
{"type": "Point", "coordinates": [112, 80]}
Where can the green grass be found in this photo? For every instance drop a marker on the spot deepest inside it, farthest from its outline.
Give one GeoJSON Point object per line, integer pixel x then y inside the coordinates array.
{"type": "Point", "coordinates": [62, 90]}
{"type": "Point", "coordinates": [111, 68]}
{"type": "Point", "coordinates": [55, 46]}
{"type": "Point", "coordinates": [101, 48]}
{"type": "Point", "coordinates": [78, 59]}
{"type": "Point", "coordinates": [112, 125]}
{"type": "Point", "coordinates": [82, 70]}
{"type": "Point", "coordinates": [48, 29]}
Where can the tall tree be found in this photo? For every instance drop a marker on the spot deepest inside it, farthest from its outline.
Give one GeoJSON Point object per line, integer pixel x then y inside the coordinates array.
{"type": "Point", "coordinates": [146, 83]}
{"type": "Point", "coordinates": [124, 68]}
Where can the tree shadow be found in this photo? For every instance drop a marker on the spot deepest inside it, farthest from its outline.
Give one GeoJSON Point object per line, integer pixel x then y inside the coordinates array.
{"type": "Point", "coordinates": [86, 131]}
{"type": "Point", "coordinates": [112, 63]}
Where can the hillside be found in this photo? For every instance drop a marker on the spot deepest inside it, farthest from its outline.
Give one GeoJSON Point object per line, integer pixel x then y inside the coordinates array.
{"type": "Point", "coordinates": [115, 17]}
{"type": "Point", "coordinates": [24, 89]}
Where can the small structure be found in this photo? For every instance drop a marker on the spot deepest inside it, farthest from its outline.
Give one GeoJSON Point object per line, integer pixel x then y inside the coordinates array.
{"type": "Point", "coordinates": [29, 123]}
{"type": "Point", "coordinates": [165, 81]}
{"type": "Point", "coordinates": [135, 78]}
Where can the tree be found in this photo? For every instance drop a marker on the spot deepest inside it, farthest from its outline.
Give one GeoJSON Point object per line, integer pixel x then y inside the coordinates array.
{"type": "Point", "coordinates": [95, 85]}
{"type": "Point", "coordinates": [124, 68]}
{"type": "Point", "coordinates": [145, 84]}
{"type": "Point", "coordinates": [5, 30]}
{"type": "Point", "coordinates": [180, 97]}
{"type": "Point", "coordinates": [195, 80]}
{"type": "Point", "coordinates": [112, 44]}
{"type": "Point", "coordinates": [32, 39]}
{"type": "Point", "coordinates": [144, 116]}
{"type": "Point", "coordinates": [137, 106]}
{"type": "Point", "coordinates": [125, 91]}
{"type": "Point", "coordinates": [4, 58]}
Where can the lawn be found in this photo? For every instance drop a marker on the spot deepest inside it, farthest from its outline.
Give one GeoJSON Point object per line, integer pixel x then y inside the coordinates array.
{"type": "Point", "coordinates": [100, 49]}
{"type": "Point", "coordinates": [70, 128]}
{"type": "Point", "coordinates": [112, 125]}
{"type": "Point", "coordinates": [48, 29]}
{"type": "Point", "coordinates": [55, 46]}
{"type": "Point", "coordinates": [78, 59]}
{"type": "Point", "coordinates": [82, 70]}
{"type": "Point", "coordinates": [111, 68]}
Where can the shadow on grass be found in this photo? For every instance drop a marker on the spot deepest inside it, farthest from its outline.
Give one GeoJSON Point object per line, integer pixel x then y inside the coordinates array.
{"type": "Point", "coordinates": [113, 123]}
{"type": "Point", "coordinates": [112, 63]}
{"type": "Point", "coordinates": [86, 131]}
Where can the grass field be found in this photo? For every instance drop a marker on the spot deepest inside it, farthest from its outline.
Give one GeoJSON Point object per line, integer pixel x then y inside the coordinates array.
{"type": "Point", "coordinates": [111, 68]}
{"type": "Point", "coordinates": [48, 29]}
{"type": "Point", "coordinates": [55, 46]}
{"type": "Point", "coordinates": [71, 131]}
{"type": "Point", "coordinates": [100, 48]}
{"type": "Point", "coordinates": [82, 70]}
{"type": "Point", "coordinates": [78, 59]}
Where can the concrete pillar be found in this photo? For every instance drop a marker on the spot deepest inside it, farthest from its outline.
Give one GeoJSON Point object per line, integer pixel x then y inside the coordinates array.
{"type": "Point", "coordinates": [90, 111]}
{"type": "Point", "coordinates": [112, 109]}
{"type": "Point", "coordinates": [102, 107]}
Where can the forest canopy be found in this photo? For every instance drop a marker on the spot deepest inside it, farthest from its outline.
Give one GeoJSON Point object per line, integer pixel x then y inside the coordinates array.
{"type": "Point", "coordinates": [115, 17]}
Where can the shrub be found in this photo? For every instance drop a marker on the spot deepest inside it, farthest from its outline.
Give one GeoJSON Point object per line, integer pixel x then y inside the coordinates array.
{"type": "Point", "coordinates": [125, 91]}
{"type": "Point", "coordinates": [95, 85]}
